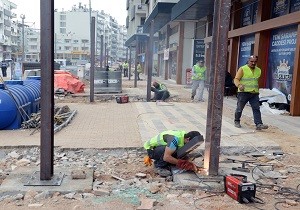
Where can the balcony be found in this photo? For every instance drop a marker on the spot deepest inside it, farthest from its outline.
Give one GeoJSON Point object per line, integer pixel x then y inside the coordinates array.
{"type": "Point", "coordinates": [141, 9]}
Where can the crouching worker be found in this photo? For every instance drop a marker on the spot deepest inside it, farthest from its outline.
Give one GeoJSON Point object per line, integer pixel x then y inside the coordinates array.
{"type": "Point", "coordinates": [163, 149]}
{"type": "Point", "coordinates": [161, 92]}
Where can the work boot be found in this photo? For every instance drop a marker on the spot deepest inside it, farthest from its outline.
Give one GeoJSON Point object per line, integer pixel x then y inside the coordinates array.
{"type": "Point", "coordinates": [163, 172]}
{"type": "Point", "coordinates": [237, 124]}
{"type": "Point", "coordinates": [261, 126]}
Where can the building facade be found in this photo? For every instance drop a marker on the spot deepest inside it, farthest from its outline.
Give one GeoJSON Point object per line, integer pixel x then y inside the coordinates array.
{"type": "Point", "coordinates": [72, 36]}
{"type": "Point", "coordinates": [7, 36]}
{"type": "Point", "coordinates": [266, 28]}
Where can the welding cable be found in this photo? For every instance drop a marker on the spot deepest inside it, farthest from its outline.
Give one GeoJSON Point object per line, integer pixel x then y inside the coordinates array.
{"type": "Point", "coordinates": [200, 199]}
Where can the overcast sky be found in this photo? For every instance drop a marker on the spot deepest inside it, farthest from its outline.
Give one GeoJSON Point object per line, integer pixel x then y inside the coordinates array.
{"type": "Point", "coordinates": [31, 9]}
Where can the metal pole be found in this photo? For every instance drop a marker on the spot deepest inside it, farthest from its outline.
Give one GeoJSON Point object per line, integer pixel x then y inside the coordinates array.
{"type": "Point", "coordinates": [105, 49]}
{"type": "Point", "coordinates": [129, 63]}
{"type": "Point", "coordinates": [55, 50]}
{"type": "Point", "coordinates": [90, 11]}
{"type": "Point", "coordinates": [150, 60]}
{"type": "Point", "coordinates": [136, 60]}
{"type": "Point", "coordinates": [217, 79]}
{"type": "Point", "coordinates": [23, 38]}
{"type": "Point", "coordinates": [47, 89]}
{"type": "Point", "coordinates": [101, 53]}
{"type": "Point", "coordinates": [92, 69]}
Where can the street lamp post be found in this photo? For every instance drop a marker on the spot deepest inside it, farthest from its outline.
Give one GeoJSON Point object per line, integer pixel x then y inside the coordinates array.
{"type": "Point", "coordinates": [23, 45]}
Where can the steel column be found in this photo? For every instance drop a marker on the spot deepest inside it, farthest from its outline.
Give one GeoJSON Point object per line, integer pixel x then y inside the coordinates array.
{"type": "Point", "coordinates": [92, 68]}
{"type": "Point", "coordinates": [129, 63]}
{"type": "Point", "coordinates": [216, 86]}
{"type": "Point", "coordinates": [101, 53]}
{"type": "Point", "coordinates": [150, 60]}
{"type": "Point", "coordinates": [137, 46]}
{"type": "Point", "coordinates": [47, 89]}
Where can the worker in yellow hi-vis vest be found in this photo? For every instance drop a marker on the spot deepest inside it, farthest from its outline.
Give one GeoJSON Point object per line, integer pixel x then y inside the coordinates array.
{"type": "Point", "coordinates": [246, 80]}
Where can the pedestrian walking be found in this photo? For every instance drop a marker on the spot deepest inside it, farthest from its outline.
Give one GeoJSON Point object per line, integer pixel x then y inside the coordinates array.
{"type": "Point", "coordinates": [125, 68]}
{"type": "Point", "coordinates": [139, 70]}
{"type": "Point", "coordinates": [4, 68]}
{"type": "Point", "coordinates": [163, 147]}
{"type": "Point", "coordinates": [246, 80]}
{"type": "Point", "coordinates": [160, 90]}
{"type": "Point", "coordinates": [198, 81]}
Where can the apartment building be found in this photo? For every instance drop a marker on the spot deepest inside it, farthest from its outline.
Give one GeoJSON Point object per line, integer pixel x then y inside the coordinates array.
{"type": "Point", "coordinates": [7, 37]}
{"type": "Point", "coordinates": [72, 35]}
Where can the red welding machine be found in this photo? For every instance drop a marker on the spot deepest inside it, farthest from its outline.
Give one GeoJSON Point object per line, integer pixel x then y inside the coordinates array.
{"type": "Point", "coordinates": [122, 99]}
{"type": "Point", "coordinates": [237, 187]}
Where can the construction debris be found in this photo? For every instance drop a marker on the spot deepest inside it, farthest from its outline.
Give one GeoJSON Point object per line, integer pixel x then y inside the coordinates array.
{"type": "Point", "coordinates": [62, 116]}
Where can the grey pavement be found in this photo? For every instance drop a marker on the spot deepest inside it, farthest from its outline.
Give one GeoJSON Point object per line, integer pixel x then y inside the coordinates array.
{"type": "Point", "coordinates": [110, 125]}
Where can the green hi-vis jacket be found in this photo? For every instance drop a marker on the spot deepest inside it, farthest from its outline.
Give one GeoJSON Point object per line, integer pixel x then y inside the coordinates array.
{"type": "Point", "coordinates": [250, 79]}
{"type": "Point", "coordinates": [158, 140]}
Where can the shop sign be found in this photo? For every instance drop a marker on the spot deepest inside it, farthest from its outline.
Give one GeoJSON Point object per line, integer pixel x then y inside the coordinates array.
{"type": "Point", "coordinates": [249, 13]}
{"type": "Point", "coordinates": [281, 59]}
{"type": "Point", "coordinates": [255, 9]}
{"type": "Point", "coordinates": [279, 8]}
{"type": "Point", "coordinates": [246, 48]}
{"type": "Point", "coordinates": [295, 5]}
{"type": "Point", "coordinates": [199, 50]}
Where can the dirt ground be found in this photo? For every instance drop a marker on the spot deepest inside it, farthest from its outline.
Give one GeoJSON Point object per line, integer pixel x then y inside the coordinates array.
{"type": "Point", "coordinates": [276, 193]}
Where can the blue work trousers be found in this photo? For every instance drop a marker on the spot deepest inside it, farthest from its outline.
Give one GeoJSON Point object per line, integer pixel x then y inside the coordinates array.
{"type": "Point", "coordinates": [253, 99]}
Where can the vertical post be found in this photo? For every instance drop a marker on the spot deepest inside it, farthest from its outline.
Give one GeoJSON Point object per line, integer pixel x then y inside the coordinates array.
{"type": "Point", "coordinates": [137, 46]}
{"type": "Point", "coordinates": [105, 49]}
{"type": "Point", "coordinates": [216, 85]}
{"type": "Point", "coordinates": [129, 63]}
{"type": "Point", "coordinates": [90, 17]}
{"type": "Point", "coordinates": [92, 69]}
{"type": "Point", "coordinates": [23, 38]}
{"type": "Point", "coordinates": [101, 53]}
{"type": "Point", "coordinates": [150, 60]}
{"type": "Point", "coordinates": [55, 43]}
{"type": "Point", "coordinates": [47, 89]}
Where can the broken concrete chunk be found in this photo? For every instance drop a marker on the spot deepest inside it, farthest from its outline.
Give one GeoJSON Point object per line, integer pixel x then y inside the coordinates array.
{"type": "Point", "coordinates": [35, 205]}
{"type": "Point", "coordinates": [291, 202]}
{"type": "Point", "coordinates": [23, 162]}
{"type": "Point", "coordinates": [78, 174]}
{"type": "Point", "coordinates": [146, 204]}
{"type": "Point", "coordinates": [141, 175]}
{"type": "Point", "coordinates": [101, 192]}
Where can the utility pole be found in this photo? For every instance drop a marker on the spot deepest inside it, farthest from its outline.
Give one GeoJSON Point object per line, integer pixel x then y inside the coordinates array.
{"type": "Point", "coordinates": [23, 42]}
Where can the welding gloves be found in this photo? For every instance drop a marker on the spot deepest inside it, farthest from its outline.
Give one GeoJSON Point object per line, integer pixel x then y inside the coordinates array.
{"type": "Point", "coordinates": [187, 165]}
{"type": "Point", "coordinates": [147, 161]}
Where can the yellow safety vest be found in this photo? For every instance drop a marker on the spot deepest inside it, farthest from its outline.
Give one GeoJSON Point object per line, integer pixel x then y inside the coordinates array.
{"type": "Point", "coordinates": [159, 141]}
{"type": "Point", "coordinates": [125, 65]}
{"type": "Point", "coordinates": [250, 79]}
{"type": "Point", "coordinates": [139, 68]}
{"type": "Point", "coordinates": [199, 72]}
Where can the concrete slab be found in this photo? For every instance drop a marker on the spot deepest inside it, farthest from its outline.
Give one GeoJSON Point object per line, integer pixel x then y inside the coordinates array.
{"type": "Point", "coordinates": [18, 179]}
{"type": "Point", "coordinates": [192, 180]}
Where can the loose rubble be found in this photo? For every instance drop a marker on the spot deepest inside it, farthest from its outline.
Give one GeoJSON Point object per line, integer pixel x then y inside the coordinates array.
{"type": "Point", "coordinates": [121, 177]}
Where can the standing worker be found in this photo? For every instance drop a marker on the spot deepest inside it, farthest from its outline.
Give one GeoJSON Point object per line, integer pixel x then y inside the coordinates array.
{"type": "Point", "coordinates": [4, 68]}
{"type": "Point", "coordinates": [163, 149]}
{"type": "Point", "coordinates": [139, 70]}
{"type": "Point", "coordinates": [246, 80]}
{"type": "Point", "coordinates": [125, 68]}
{"type": "Point", "coordinates": [198, 80]}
